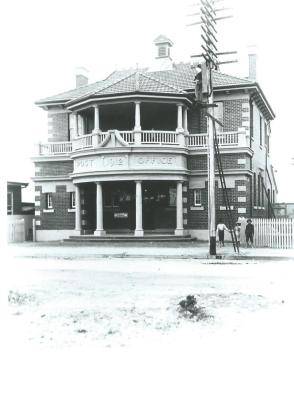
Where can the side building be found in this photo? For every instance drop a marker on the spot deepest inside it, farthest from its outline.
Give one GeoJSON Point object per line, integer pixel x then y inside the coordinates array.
{"type": "Point", "coordinates": [20, 214]}
{"type": "Point", "coordinates": [129, 153]}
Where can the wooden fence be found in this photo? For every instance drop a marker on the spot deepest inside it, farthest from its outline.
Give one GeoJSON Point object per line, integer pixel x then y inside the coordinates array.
{"type": "Point", "coordinates": [15, 230]}
{"type": "Point", "coordinates": [19, 228]}
{"type": "Point", "coordinates": [276, 233]}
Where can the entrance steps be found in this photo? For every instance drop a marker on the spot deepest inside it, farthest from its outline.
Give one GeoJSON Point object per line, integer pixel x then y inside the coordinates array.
{"type": "Point", "coordinates": [119, 238]}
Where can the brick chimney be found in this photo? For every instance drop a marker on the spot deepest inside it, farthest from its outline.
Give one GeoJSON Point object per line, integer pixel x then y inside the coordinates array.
{"type": "Point", "coordinates": [252, 59]}
{"type": "Point", "coordinates": [81, 77]}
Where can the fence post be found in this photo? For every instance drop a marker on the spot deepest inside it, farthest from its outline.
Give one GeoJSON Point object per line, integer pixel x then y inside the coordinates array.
{"type": "Point", "coordinates": [34, 229]}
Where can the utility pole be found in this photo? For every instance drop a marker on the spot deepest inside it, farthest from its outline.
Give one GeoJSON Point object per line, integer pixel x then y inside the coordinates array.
{"type": "Point", "coordinates": [208, 14]}
{"type": "Point", "coordinates": [211, 174]}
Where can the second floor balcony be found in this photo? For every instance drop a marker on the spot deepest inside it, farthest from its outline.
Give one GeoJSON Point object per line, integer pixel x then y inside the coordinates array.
{"type": "Point", "coordinates": [144, 138]}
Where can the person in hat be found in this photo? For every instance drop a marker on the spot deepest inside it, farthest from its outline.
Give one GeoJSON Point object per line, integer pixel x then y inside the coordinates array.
{"type": "Point", "coordinates": [249, 233]}
{"type": "Point", "coordinates": [221, 228]}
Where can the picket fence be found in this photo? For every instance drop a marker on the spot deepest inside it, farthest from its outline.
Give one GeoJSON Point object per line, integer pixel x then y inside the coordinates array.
{"type": "Point", "coordinates": [276, 233]}
{"type": "Point", "coordinates": [15, 230]}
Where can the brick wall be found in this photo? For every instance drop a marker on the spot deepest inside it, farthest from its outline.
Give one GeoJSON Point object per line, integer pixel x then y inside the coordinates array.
{"type": "Point", "coordinates": [185, 204]}
{"type": "Point", "coordinates": [239, 198]}
{"type": "Point", "coordinates": [232, 114]}
{"type": "Point", "coordinates": [229, 161]}
{"type": "Point", "coordinates": [60, 218]}
{"type": "Point", "coordinates": [235, 115]}
{"type": "Point", "coordinates": [53, 168]}
{"type": "Point", "coordinates": [58, 126]}
{"type": "Point", "coordinates": [197, 218]}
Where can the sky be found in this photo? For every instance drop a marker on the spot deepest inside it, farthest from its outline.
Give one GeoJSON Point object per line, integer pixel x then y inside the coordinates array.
{"type": "Point", "coordinates": [44, 41]}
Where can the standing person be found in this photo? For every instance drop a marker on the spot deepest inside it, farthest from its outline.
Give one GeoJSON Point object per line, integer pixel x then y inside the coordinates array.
{"type": "Point", "coordinates": [249, 233]}
{"type": "Point", "coordinates": [237, 230]}
{"type": "Point", "coordinates": [221, 228]}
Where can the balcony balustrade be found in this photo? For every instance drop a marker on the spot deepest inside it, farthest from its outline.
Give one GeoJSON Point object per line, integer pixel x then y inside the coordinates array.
{"type": "Point", "coordinates": [128, 136]}
{"type": "Point", "coordinates": [54, 148]}
{"type": "Point", "coordinates": [223, 139]}
{"type": "Point", "coordinates": [146, 138]}
{"type": "Point", "coordinates": [159, 137]}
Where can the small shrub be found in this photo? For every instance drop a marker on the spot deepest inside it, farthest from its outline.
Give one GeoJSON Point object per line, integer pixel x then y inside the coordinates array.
{"type": "Point", "coordinates": [189, 308]}
{"type": "Point", "coordinates": [19, 298]}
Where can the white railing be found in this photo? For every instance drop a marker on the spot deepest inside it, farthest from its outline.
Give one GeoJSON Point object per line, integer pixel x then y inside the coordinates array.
{"type": "Point", "coordinates": [223, 139]}
{"type": "Point", "coordinates": [159, 137]}
{"type": "Point", "coordinates": [145, 138]}
{"type": "Point", "coordinates": [83, 142]}
{"type": "Point", "coordinates": [128, 136]}
{"type": "Point", "coordinates": [102, 137]}
{"type": "Point", "coordinates": [46, 149]}
{"type": "Point", "coordinates": [227, 138]}
{"type": "Point", "coordinates": [199, 140]}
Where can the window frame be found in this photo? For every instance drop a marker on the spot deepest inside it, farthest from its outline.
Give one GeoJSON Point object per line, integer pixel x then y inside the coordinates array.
{"type": "Point", "coordinates": [49, 201]}
{"type": "Point", "coordinates": [72, 200]}
{"type": "Point", "coordinates": [195, 192]}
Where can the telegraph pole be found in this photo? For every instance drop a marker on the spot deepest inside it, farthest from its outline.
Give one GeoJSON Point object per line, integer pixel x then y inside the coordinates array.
{"type": "Point", "coordinates": [208, 14]}
{"type": "Point", "coordinates": [211, 175]}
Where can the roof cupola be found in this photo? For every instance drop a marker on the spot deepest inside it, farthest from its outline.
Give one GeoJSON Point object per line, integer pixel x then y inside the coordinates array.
{"type": "Point", "coordinates": [163, 59]}
{"type": "Point", "coordinates": [163, 45]}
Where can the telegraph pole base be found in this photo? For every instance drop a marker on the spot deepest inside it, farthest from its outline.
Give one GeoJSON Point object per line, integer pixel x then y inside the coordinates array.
{"type": "Point", "coordinates": [212, 246]}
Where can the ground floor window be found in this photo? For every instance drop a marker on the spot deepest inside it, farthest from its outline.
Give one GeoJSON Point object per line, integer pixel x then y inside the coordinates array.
{"type": "Point", "coordinates": [72, 200]}
{"type": "Point", "coordinates": [197, 197]}
{"type": "Point", "coordinates": [49, 201]}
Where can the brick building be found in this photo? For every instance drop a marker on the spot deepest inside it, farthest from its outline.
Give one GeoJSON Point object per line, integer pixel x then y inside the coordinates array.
{"type": "Point", "coordinates": [129, 153]}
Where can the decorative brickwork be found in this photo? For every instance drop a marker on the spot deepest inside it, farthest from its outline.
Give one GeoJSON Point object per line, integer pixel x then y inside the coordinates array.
{"type": "Point", "coordinates": [185, 204]}
{"type": "Point", "coordinates": [59, 218]}
{"type": "Point", "coordinates": [232, 114]}
{"type": "Point", "coordinates": [38, 190]}
{"type": "Point", "coordinates": [198, 217]}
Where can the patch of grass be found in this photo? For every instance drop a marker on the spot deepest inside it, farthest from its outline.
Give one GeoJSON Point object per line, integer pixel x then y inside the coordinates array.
{"type": "Point", "coordinates": [17, 298]}
{"type": "Point", "coordinates": [189, 308]}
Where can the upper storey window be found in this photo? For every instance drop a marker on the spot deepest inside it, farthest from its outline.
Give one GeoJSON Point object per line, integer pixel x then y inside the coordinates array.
{"type": "Point", "coordinates": [260, 131]}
